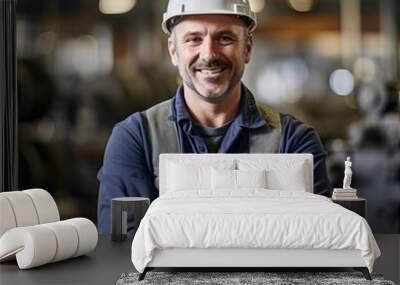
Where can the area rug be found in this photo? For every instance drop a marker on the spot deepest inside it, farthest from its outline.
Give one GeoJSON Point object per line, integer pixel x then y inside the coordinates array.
{"type": "Point", "coordinates": [244, 278]}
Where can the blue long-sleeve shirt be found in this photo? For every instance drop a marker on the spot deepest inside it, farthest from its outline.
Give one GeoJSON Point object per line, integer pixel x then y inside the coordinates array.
{"type": "Point", "coordinates": [127, 165]}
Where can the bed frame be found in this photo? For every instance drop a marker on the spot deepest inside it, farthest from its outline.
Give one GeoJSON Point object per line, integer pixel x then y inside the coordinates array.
{"type": "Point", "coordinates": [245, 258]}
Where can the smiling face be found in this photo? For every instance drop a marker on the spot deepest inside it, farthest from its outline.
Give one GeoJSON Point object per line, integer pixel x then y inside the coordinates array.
{"type": "Point", "coordinates": [210, 52]}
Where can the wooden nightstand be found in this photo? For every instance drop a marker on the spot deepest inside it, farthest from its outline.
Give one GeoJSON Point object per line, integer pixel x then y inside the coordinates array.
{"type": "Point", "coordinates": [358, 206]}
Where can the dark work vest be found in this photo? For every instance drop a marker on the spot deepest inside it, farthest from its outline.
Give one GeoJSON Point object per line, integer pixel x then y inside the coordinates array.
{"type": "Point", "coordinates": [162, 134]}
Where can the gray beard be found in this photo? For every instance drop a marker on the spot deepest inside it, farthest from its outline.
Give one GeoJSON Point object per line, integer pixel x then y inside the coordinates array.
{"type": "Point", "coordinates": [215, 97]}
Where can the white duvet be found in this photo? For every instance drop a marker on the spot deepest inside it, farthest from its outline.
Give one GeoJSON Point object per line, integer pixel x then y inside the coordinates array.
{"type": "Point", "coordinates": [253, 218]}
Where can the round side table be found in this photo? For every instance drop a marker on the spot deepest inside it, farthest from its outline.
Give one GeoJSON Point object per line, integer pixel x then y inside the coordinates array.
{"type": "Point", "coordinates": [119, 215]}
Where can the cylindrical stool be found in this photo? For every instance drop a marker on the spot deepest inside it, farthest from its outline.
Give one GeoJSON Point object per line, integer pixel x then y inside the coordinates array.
{"type": "Point", "coordinates": [119, 215]}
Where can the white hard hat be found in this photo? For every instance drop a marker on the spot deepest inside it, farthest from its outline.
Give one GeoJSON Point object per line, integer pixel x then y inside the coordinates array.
{"type": "Point", "coordinates": [179, 8]}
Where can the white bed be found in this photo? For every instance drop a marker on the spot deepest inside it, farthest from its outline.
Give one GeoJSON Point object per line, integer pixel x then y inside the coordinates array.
{"type": "Point", "coordinates": [247, 210]}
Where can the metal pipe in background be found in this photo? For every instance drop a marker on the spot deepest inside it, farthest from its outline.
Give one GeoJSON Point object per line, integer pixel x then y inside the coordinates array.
{"type": "Point", "coordinates": [389, 40]}
{"type": "Point", "coordinates": [8, 98]}
{"type": "Point", "coordinates": [350, 26]}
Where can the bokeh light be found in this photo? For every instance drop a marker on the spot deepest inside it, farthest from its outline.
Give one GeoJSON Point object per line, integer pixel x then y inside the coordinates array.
{"type": "Point", "coordinates": [116, 6]}
{"type": "Point", "coordinates": [341, 82]}
{"type": "Point", "coordinates": [257, 5]}
{"type": "Point", "coordinates": [301, 5]}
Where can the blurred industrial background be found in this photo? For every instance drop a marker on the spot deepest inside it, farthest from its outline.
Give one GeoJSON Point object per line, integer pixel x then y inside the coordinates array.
{"type": "Point", "coordinates": [84, 65]}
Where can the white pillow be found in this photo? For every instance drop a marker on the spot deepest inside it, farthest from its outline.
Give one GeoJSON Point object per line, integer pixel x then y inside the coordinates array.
{"type": "Point", "coordinates": [291, 175]}
{"type": "Point", "coordinates": [225, 179]}
{"type": "Point", "coordinates": [185, 176]}
{"type": "Point", "coordinates": [251, 178]}
{"type": "Point", "coordinates": [181, 177]}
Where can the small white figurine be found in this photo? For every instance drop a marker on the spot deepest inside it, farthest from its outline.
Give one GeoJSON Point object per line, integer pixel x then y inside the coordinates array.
{"type": "Point", "coordinates": [347, 174]}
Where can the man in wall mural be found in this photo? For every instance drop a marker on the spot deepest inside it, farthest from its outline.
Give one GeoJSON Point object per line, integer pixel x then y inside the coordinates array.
{"type": "Point", "coordinates": [209, 42]}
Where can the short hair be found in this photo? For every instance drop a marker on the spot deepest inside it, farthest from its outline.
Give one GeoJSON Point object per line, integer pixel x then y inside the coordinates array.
{"type": "Point", "coordinates": [171, 23]}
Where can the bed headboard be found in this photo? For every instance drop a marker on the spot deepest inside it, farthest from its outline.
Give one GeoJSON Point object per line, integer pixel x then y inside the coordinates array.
{"type": "Point", "coordinates": [275, 161]}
